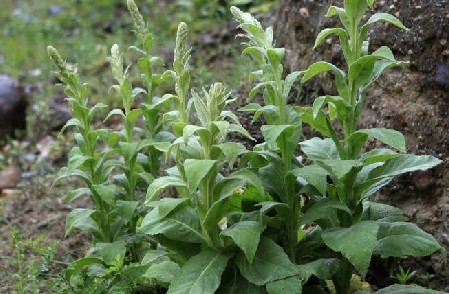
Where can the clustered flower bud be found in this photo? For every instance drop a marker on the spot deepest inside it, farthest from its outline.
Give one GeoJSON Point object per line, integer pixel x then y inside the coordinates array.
{"type": "Point", "coordinates": [139, 23]}
{"type": "Point", "coordinates": [56, 58]}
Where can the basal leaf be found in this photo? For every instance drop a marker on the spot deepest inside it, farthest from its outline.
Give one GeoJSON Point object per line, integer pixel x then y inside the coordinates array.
{"type": "Point", "coordinates": [401, 239]}
{"type": "Point", "coordinates": [339, 168]}
{"type": "Point", "coordinates": [163, 272]}
{"type": "Point", "coordinates": [381, 212]}
{"type": "Point", "coordinates": [389, 137]}
{"type": "Point", "coordinates": [323, 268]}
{"type": "Point", "coordinates": [246, 235]}
{"type": "Point", "coordinates": [200, 274]}
{"type": "Point", "coordinates": [356, 243]}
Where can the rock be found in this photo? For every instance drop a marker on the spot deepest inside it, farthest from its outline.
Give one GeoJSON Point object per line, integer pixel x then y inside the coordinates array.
{"type": "Point", "coordinates": [9, 177]}
{"type": "Point", "coordinates": [442, 75]}
{"type": "Point", "coordinates": [12, 107]}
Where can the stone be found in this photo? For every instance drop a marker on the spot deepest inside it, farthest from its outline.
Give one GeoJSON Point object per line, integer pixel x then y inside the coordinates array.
{"type": "Point", "coordinates": [12, 107]}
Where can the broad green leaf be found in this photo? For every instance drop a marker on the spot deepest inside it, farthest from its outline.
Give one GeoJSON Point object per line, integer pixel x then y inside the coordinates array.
{"type": "Point", "coordinates": [407, 289]}
{"type": "Point", "coordinates": [378, 155]}
{"type": "Point", "coordinates": [246, 235]}
{"type": "Point", "coordinates": [196, 170]}
{"type": "Point", "coordinates": [270, 264]}
{"type": "Point", "coordinates": [80, 264]}
{"type": "Point", "coordinates": [281, 208]}
{"type": "Point", "coordinates": [380, 16]}
{"type": "Point", "coordinates": [355, 9]}
{"type": "Point", "coordinates": [81, 219]}
{"type": "Point", "coordinates": [361, 69]}
{"type": "Point", "coordinates": [319, 67]}
{"type": "Point", "coordinates": [166, 205]}
{"type": "Point", "coordinates": [161, 183]}
{"type": "Point", "coordinates": [109, 252]}
{"type": "Point", "coordinates": [320, 149]}
{"type": "Point", "coordinates": [200, 274]}
{"type": "Point", "coordinates": [271, 133]}
{"type": "Point", "coordinates": [106, 192]}
{"type": "Point", "coordinates": [75, 194]}
{"type": "Point", "coordinates": [164, 271]}
{"type": "Point", "coordinates": [73, 122]}
{"type": "Point", "coordinates": [401, 239]}
{"type": "Point", "coordinates": [132, 116]}
{"type": "Point", "coordinates": [153, 256]}
{"type": "Point", "coordinates": [314, 175]}
{"type": "Point", "coordinates": [275, 56]}
{"type": "Point", "coordinates": [183, 225]}
{"type": "Point", "coordinates": [128, 150]}
{"type": "Point", "coordinates": [115, 112]}
{"type": "Point", "coordinates": [319, 123]}
{"type": "Point", "coordinates": [231, 150]}
{"type": "Point", "coordinates": [126, 209]}
{"type": "Point", "coordinates": [238, 284]}
{"type": "Point", "coordinates": [323, 268]}
{"type": "Point", "coordinates": [322, 209]}
{"type": "Point", "coordinates": [381, 212]}
{"type": "Point", "coordinates": [330, 31]}
{"type": "Point", "coordinates": [404, 164]}
{"type": "Point", "coordinates": [389, 137]}
{"type": "Point", "coordinates": [339, 168]}
{"type": "Point", "coordinates": [291, 285]}
{"type": "Point", "coordinates": [379, 67]}
{"type": "Point", "coordinates": [356, 243]}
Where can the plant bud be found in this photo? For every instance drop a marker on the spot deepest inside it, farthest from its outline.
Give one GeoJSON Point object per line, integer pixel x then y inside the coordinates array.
{"type": "Point", "coordinates": [237, 13]}
{"type": "Point", "coordinates": [56, 58]}
{"type": "Point", "coordinates": [139, 23]}
{"type": "Point", "coordinates": [181, 39]}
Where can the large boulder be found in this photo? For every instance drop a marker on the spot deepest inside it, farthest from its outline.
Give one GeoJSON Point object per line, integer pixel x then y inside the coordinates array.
{"type": "Point", "coordinates": [12, 107]}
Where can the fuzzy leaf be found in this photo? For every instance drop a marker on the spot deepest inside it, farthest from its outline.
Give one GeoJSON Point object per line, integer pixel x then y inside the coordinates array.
{"type": "Point", "coordinates": [161, 183]}
{"type": "Point", "coordinates": [81, 219]}
{"type": "Point", "coordinates": [323, 268]}
{"type": "Point", "coordinates": [164, 271]}
{"type": "Point", "coordinates": [109, 252]}
{"type": "Point", "coordinates": [356, 243]}
{"type": "Point", "coordinates": [291, 285]}
{"type": "Point", "coordinates": [200, 274]}
{"type": "Point", "coordinates": [314, 175]}
{"type": "Point", "coordinates": [288, 83]}
{"type": "Point", "coordinates": [322, 209]}
{"type": "Point", "coordinates": [320, 149]}
{"type": "Point", "coordinates": [270, 264]}
{"type": "Point", "coordinates": [196, 170]}
{"type": "Point", "coordinates": [401, 239]}
{"type": "Point", "coordinates": [246, 235]}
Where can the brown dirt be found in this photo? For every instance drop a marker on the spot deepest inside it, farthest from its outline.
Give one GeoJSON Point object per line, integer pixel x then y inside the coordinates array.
{"type": "Point", "coordinates": [413, 99]}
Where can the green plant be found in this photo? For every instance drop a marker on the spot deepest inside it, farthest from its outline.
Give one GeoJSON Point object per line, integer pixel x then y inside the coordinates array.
{"type": "Point", "coordinates": [403, 276]}
{"type": "Point", "coordinates": [255, 221]}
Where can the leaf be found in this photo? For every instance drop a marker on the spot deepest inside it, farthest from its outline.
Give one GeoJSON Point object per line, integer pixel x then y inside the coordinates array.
{"type": "Point", "coordinates": [166, 205]}
{"type": "Point", "coordinates": [270, 264]}
{"type": "Point", "coordinates": [319, 67]}
{"type": "Point", "coordinates": [128, 150]}
{"type": "Point", "coordinates": [126, 209]}
{"type": "Point", "coordinates": [291, 285]}
{"type": "Point", "coordinates": [356, 243]}
{"type": "Point", "coordinates": [109, 252]}
{"type": "Point", "coordinates": [361, 69]}
{"type": "Point", "coordinates": [182, 225]}
{"type": "Point", "coordinates": [164, 271]}
{"type": "Point", "coordinates": [196, 170]}
{"type": "Point", "coordinates": [75, 194]}
{"type": "Point", "coordinates": [320, 149]}
{"type": "Point", "coordinates": [322, 209]}
{"type": "Point", "coordinates": [80, 264]}
{"type": "Point", "coordinates": [107, 193]}
{"type": "Point", "coordinates": [407, 289]}
{"type": "Point", "coordinates": [152, 256]}
{"type": "Point", "coordinates": [115, 112]}
{"type": "Point", "coordinates": [380, 17]}
{"type": "Point", "coordinates": [401, 239]}
{"type": "Point", "coordinates": [355, 9]}
{"type": "Point", "coordinates": [377, 155]}
{"type": "Point", "coordinates": [231, 150]}
{"type": "Point", "coordinates": [288, 83]}
{"type": "Point", "coordinates": [161, 183]}
{"type": "Point", "coordinates": [339, 168]}
{"type": "Point", "coordinates": [323, 268]}
{"type": "Point", "coordinates": [330, 31]}
{"type": "Point", "coordinates": [246, 235]}
{"type": "Point", "coordinates": [319, 123]}
{"type": "Point", "coordinates": [381, 212]}
{"type": "Point", "coordinates": [200, 274]}
{"type": "Point", "coordinates": [389, 137]}
{"type": "Point", "coordinates": [81, 219]}
{"type": "Point", "coordinates": [314, 175]}
{"type": "Point", "coordinates": [404, 164]}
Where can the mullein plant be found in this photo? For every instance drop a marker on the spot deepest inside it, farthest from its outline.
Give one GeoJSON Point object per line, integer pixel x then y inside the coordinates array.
{"type": "Point", "coordinates": [350, 225]}
{"type": "Point", "coordinates": [337, 189]}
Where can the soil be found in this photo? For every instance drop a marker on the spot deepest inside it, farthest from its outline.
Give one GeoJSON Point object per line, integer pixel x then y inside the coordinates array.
{"type": "Point", "coordinates": [413, 99]}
